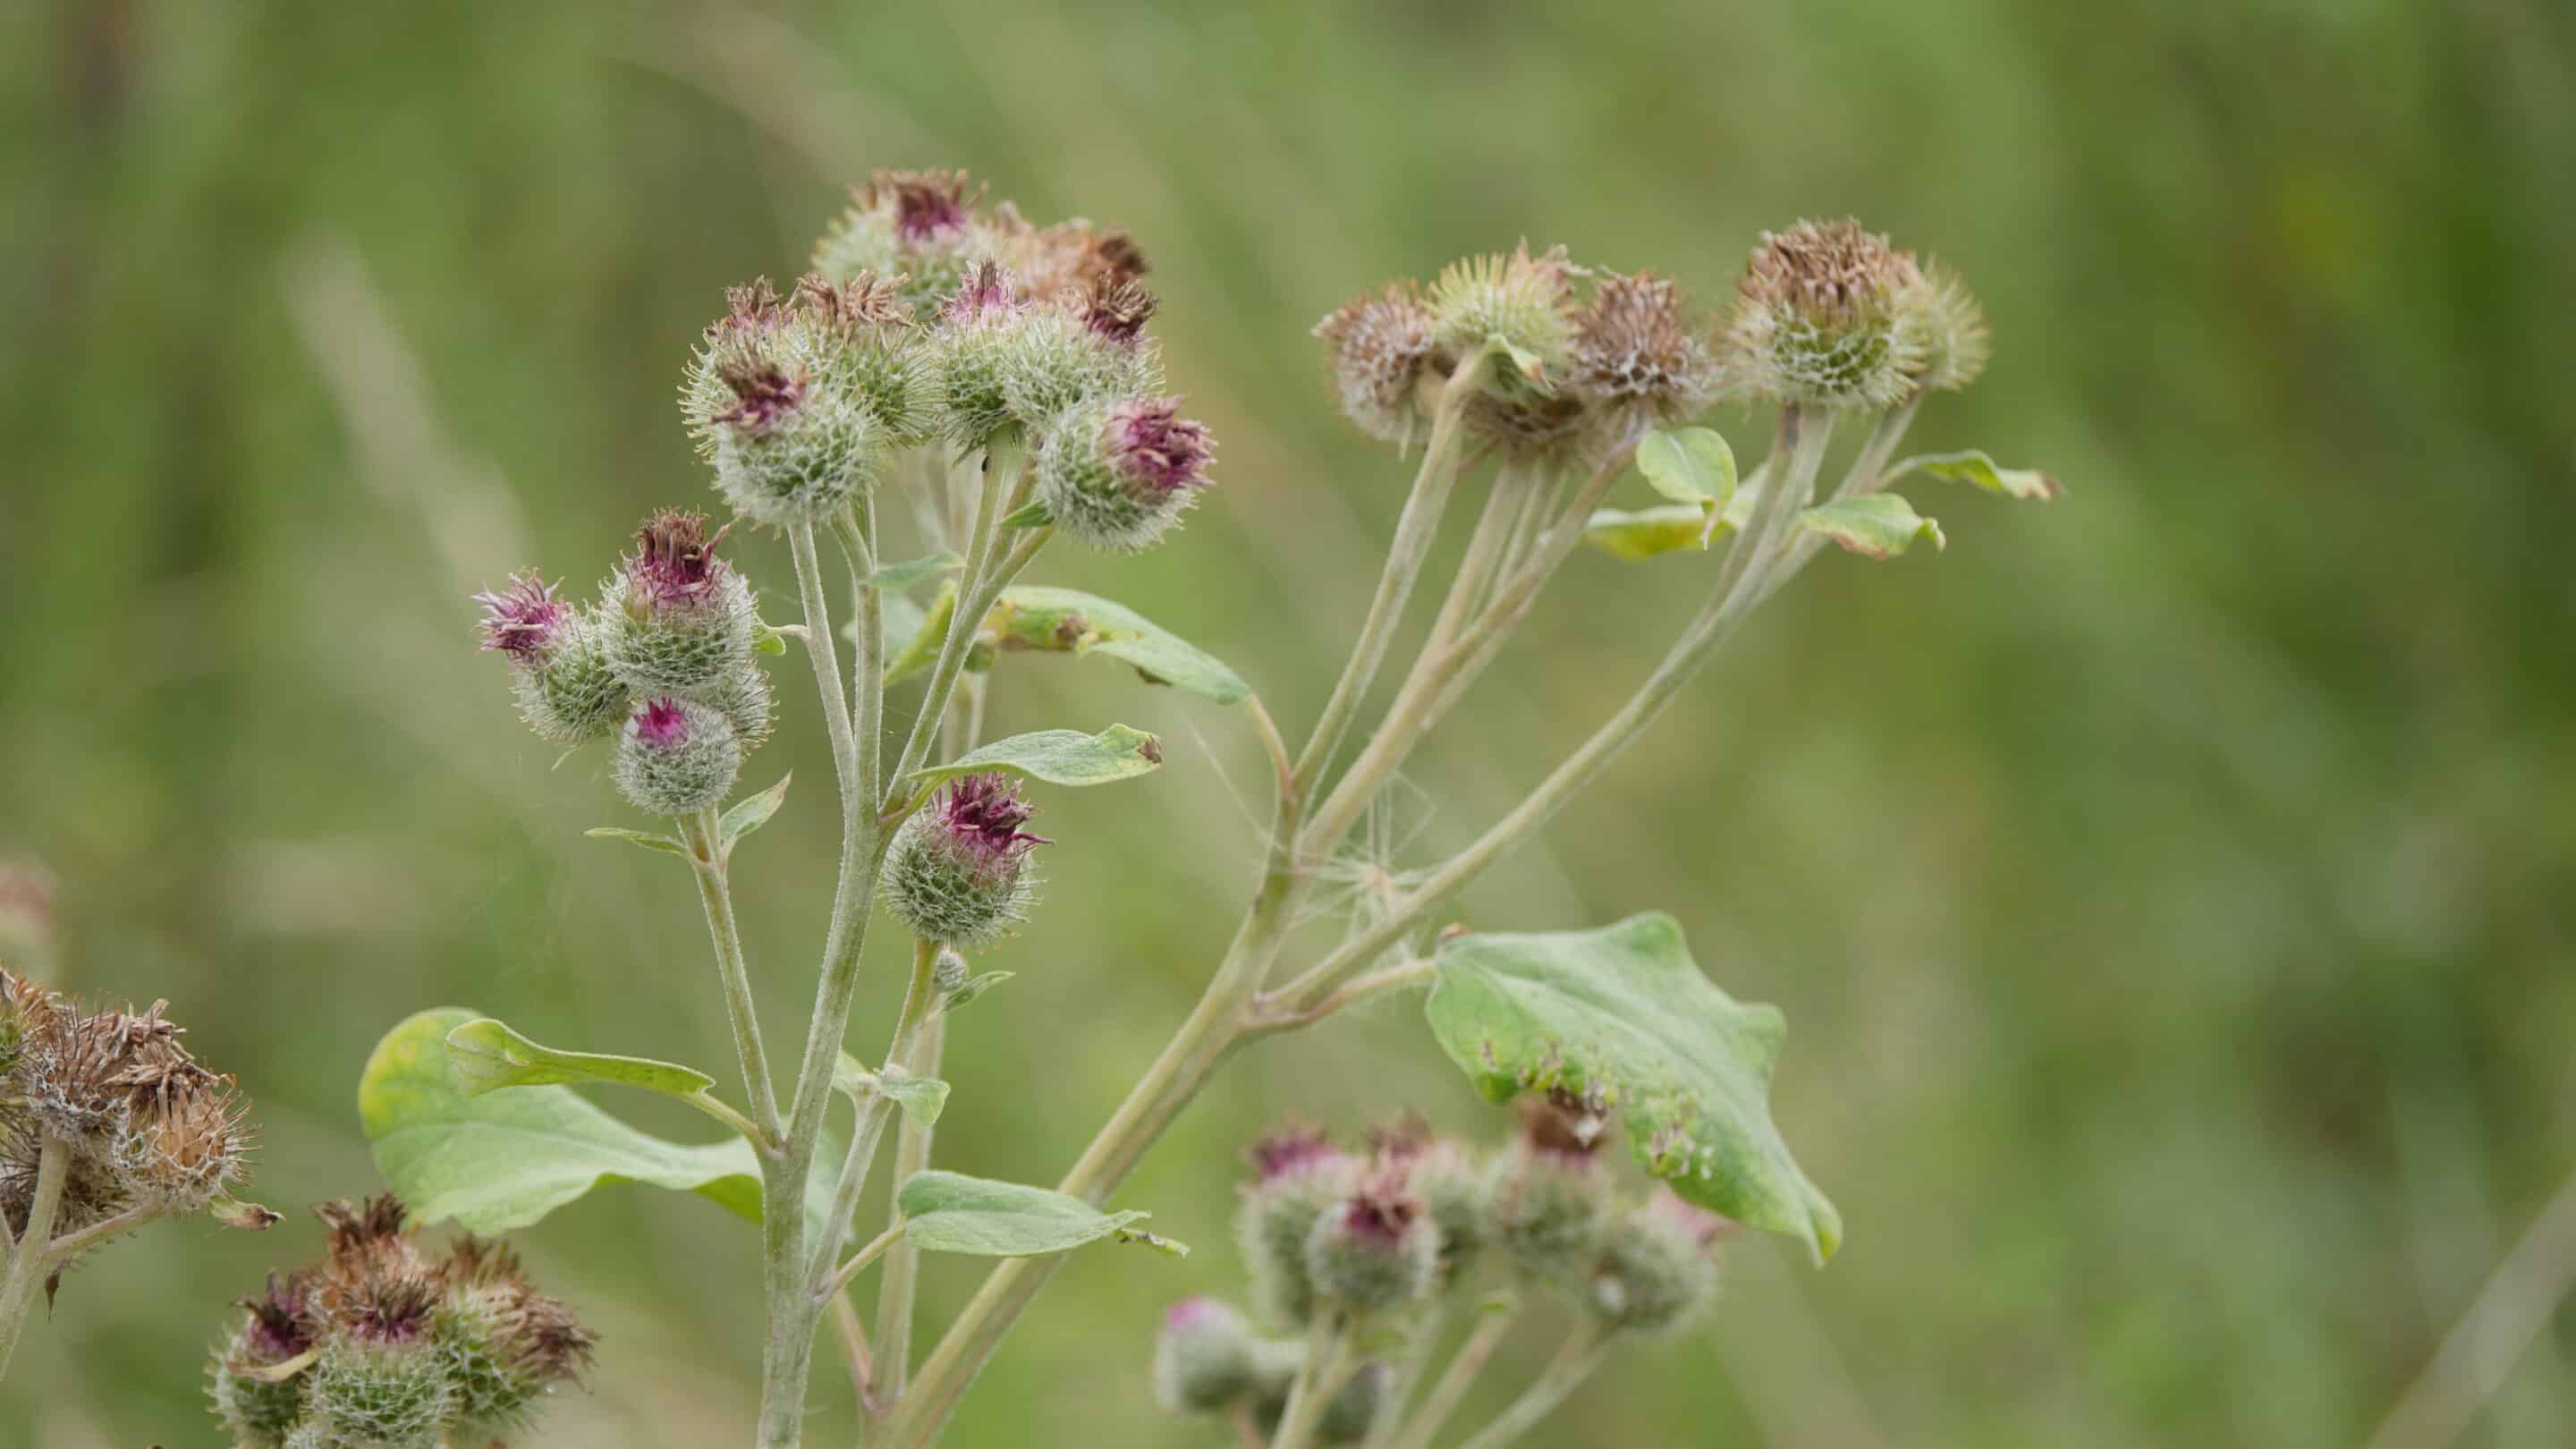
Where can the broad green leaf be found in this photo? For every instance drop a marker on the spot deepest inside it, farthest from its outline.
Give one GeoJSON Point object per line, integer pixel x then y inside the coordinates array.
{"type": "Point", "coordinates": [948, 1212]}
{"type": "Point", "coordinates": [503, 1161]}
{"type": "Point", "coordinates": [898, 576]}
{"type": "Point", "coordinates": [1068, 621]}
{"type": "Point", "coordinates": [752, 812]}
{"type": "Point", "coordinates": [644, 838]}
{"type": "Point", "coordinates": [1975, 467]}
{"type": "Point", "coordinates": [1058, 757]}
{"type": "Point", "coordinates": [921, 647]}
{"type": "Point", "coordinates": [1650, 531]}
{"type": "Point", "coordinates": [1623, 1017]}
{"type": "Point", "coordinates": [1691, 465]}
{"type": "Point", "coordinates": [490, 1055]}
{"type": "Point", "coordinates": [1874, 525]}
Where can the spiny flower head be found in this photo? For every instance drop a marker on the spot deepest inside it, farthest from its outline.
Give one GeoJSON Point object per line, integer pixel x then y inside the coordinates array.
{"type": "Point", "coordinates": [524, 619]}
{"type": "Point", "coordinates": [1084, 345]}
{"type": "Point", "coordinates": [958, 872]}
{"type": "Point", "coordinates": [1118, 474]}
{"type": "Point", "coordinates": [678, 619]}
{"type": "Point", "coordinates": [1950, 330]}
{"type": "Point", "coordinates": [1292, 1147]}
{"type": "Point", "coordinates": [677, 756]}
{"type": "Point", "coordinates": [775, 402]}
{"type": "Point", "coordinates": [1635, 347]}
{"type": "Point", "coordinates": [1383, 344]}
{"type": "Point", "coordinates": [1656, 1273]}
{"type": "Point", "coordinates": [1070, 256]}
{"type": "Point", "coordinates": [919, 228]}
{"type": "Point", "coordinates": [1523, 301]}
{"type": "Point", "coordinates": [1203, 1359]}
{"type": "Point", "coordinates": [1115, 308]}
{"type": "Point", "coordinates": [674, 562]}
{"type": "Point", "coordinates": [1821, 317]}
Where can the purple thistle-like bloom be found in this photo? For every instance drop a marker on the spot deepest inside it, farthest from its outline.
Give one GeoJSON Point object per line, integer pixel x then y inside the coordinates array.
{"type": "Point", "coordinates": [1192, 1313]}
{"type": "Point", "coordinates": [1154, 448]}
{"type": "Point", "coordinates": [982, 815]}
{"type": "Point", "coordinates": [675, 561]}
{"type": "Point", "coordinates": [985, 295]}
{"type": "Point", "coordinates": [762, 391]}
{"type": "Point", "coordinates": [1293, 1147]}
{"type": "Point", "coordinates": [277, 1330]}
{"type": "Point", "coordinates": [928, 205]}
{"type": "Point", "coordinates": [524, 619]}
{"type": "Point", "coordinates": [1382, 1211]}
{"type": "Point", "coordinates": [662, 725]}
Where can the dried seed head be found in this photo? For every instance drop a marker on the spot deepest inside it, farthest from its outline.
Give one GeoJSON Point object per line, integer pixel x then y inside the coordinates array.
{"type": "Point", "coordinates": [1118, 475]}
{"type": "Point", "coordinates": [1115, 309]}
{"type": "Point", "coordinates": [1382, 346]}
{"type": "Point", "coordinates": [1071, 256]}
{"type": "Point", "coordinates": [677, 757]}
{"type": "Point", "coordinates": [1820, 318]}
{"type": "Point", "coordinates": [958, 872]}
{"type": "Point", "coordinates": [1636, 348]}
{"type": "Point", "coordinates": [1203, 1360]}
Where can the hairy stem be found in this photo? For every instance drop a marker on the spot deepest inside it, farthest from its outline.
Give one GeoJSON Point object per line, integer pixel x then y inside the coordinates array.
{"type": "Point", "coordinates": [900, 1284]}
{"type": "Point", "coordinates": [1006, 459]}
{"type": "Point", "coordinates": [1451, 1389]}
{"type": "Point", "coordinates": [34, 1259]}
{"type": "Point", "coordinates": [1415, 530]}
{"type": "Point", "coordinates": [1328, 1368]}
{"type": "Point", "coordinates": [1583, 1351]}
{"type": "Point", "coordinates": [918, 1000]}
{"type": "Point", "coordinates": [702, 833]}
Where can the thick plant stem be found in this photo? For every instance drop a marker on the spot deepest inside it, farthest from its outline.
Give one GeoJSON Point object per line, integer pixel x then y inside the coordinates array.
{"type": "Point", "coordinates": [1802, 441]}
{"type": "Point", "coordinates": [34, 1259]}
{"type": "Point", "coordinates": [787, 1352]}
{"type": "Point", "coordinates": [919, 998]}
{"type": "Point", "coordinates": [1415, 530]}
{"type": "Point", "coordinates": [702, 833]}
{"type": "Point", "coordinates": [1451, 1390]}
{"type": "Point", "coordinates": [1327, 1369]}
{"type": "Point", "coordinates": [1215, 1026]}
{"type": "Point", "coordinates": [897, 1289]}
{"type": "Point", "coordinates": [1584, 1349]}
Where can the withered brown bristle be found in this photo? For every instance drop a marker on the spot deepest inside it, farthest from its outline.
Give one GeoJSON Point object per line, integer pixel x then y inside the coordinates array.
{"type": "Point", "coordinates": [1116, 308]}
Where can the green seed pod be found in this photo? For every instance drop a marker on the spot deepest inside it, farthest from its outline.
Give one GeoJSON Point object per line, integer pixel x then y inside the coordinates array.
{"type": "Point", "coordinates": [1949, 330]}
{"type": "Point", "coordinates": [958, 872]}
{"type": "Point", "coordinates": [1551, 1211]}
{"type": "Point", "coordinates": [1301, 1177]}
{"type": "Point", "coordinates": [1077, 349]}
{"type": "Point", "coordinates": [677, 757]}
{"type": "Point", "coordinates": [1524, 302]}
{"type": "Point", "coordinates": [677, 618]}
{"type": "Point", "coordinates": [1822, 316]}
{"type": "Point", "coordinates": [1203, 1361]}
{"type": "Point", "coordinates": [559, 667]}
{"type": "Point", "coordinates": [261, 1413]}
{"type": "Point", "coordinates": [1117, 475]}
{"type": "Point", "coordinates": [1383, 348]}
{"type": "Point", "coordinates": [1656, 1272]}
{"type": "Point", "coordinates": [393, 1394]}
{"type": "Point", "coordinates": [1374, 1250]}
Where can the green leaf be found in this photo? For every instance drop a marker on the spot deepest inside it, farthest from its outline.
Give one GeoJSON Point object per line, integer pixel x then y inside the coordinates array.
{"type": "Point", "coordinates": [1975, 467]}
{"type": "Point", "coordinates": [974, 988]}
{"type": "Point", "coordinates": [768, 640]}
{"type": "Point", "coordinates": [1692, 465]}
{"type": "Point", "coordinates": [924, 638]}
{"type": "Point", "coordinates": [851, 1079]}
{"type": "Point", "coordinates": [503, 1161]}
{"type": "Point", "coordinates": [1650, 531]}
{"type": "Point", "coordinates": [1058, 757]}
{"type": "Point", "coordinates": [752, 812]}
{"type": "Point", "coordinates": [646, 839]}
{"type": "Point", "coordinates": [948, 1212]}
{"type": "Point", "coordinates": [1874, 525]}
{"type": "Point", "coordinates": [490, 1055]}
{"type": "Point", "coordinates": [1068, 621]}
{"type": "Point", "coordinates": [1623, 1017]}
{"type": "Point", "coordinates": [921, 1098]}
{"type": "Point", "coordinates": [899, 576]}
{"type": "Point", "coordinates": [1029, 515]}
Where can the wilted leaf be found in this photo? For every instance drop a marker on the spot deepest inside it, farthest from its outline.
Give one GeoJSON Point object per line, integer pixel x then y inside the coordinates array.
{"type": "Point", "coordinates": [1975, 467]}
{"type": "Point", "coordinates": [1058, 757]}
{"type": "Point", "coordinates": [1083, 624]}
{"type": "Point", "coordinates": [1622, 1018]}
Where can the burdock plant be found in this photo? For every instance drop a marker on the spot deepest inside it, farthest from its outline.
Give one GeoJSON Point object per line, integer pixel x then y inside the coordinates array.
{"type": "Point", "coordinates": [951, 390]}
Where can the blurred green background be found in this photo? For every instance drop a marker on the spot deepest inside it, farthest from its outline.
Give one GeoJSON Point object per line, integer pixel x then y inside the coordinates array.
{"type": "Point", "coordinates": [2171, 889]}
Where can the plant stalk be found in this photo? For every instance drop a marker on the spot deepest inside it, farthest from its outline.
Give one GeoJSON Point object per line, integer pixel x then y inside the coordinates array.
{"type": "Point", "coordinates": [1583, 1351]}
{"type": "Point", "coordinates": [1451, 1389]}
{"type": "Point", "coordinates": [703, 834]}
{"type": "Point", "coordinates": [34, 1259]}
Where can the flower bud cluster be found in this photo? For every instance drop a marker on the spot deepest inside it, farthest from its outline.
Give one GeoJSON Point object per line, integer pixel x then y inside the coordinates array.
{"type": "Point", "coordinates": [1574, 362]}
{"type": "Point", "coordinates": [381, 1344]}
{"type": "Point", "coordinates": [999, 331]}
{"type": "Point", "coordinates": [1370, 1234]}
{"type": "Point", "coordinates": [665, 662]}
{"type": "Point", "coordinates": [142, 1128]}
